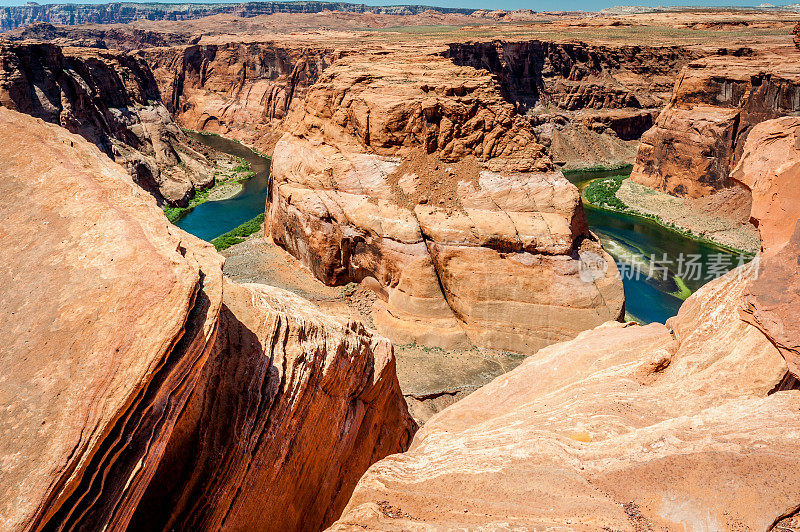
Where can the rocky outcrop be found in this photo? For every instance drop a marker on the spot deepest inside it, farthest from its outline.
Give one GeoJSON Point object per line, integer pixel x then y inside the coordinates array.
{"type": "Point", "coordinates": [112, 100]}
{"type": "Point", "coordinates": [699, 137]}
{"type": "Point", "coordinates": [144, 390]}
{"type": "Point", "coordinates": [114, 13]}
{"type": "Point", "coordinates": [416, 173]}
{"type": "Point", "coordinates": [796, 34]}
{"type": "Point", "coordinates": [241, 90]}
{"type": "Point", "coordinates": [769, 168]}
{"type": "Point", "coordinates": [589, 103]}
{"type": "Point", "coordinates": [626, 427]}
{"type": "Point", "coordinates": [288, 397]}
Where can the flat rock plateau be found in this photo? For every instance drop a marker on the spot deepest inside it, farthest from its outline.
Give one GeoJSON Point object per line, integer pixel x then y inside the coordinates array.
{"type": "Point", "coordinates": [425, 334]}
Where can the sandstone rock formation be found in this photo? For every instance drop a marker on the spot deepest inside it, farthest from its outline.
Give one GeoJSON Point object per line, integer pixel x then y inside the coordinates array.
{"type": "Point", "coordinates": [415, 172]}
{"type": "Point", "coordinates": [589, 103]}
{"type": "Point", "coordinates": [112, 100]}
{"type": "Point", "coordinates": [238, 89]}
{"type": "Point", "coordinates": [15, 16]}
{"type": "Point", "coordinates": [626, 427]}
{"type": "Point", "coordinates": [699, 137]}
{"type": "Point", "coordinates": [770, 169]}
{"type": "Point", "coordinates": [127, 354]}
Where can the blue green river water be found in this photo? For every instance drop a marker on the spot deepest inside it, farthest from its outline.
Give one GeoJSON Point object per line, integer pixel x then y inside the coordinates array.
{"type": "Point", "coordinates": [213, 218]}
{"type": "Point", "coordinates": [631, 240]}
{"type": "Point", "coordinates": [635, 240]}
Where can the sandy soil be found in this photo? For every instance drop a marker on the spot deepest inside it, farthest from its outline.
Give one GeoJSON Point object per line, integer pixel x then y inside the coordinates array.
{"type": "Point", "coordinates": [431, 378]}
{"type": "Point", "coordinates": [717, 219]}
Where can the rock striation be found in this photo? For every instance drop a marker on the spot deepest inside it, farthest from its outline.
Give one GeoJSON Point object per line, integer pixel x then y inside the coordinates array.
{"type": "Point", "coordinates": [111, 99]}
{"type": "Point", "coordinates": [127, 353]}
{"type": "Point", "coordinates": [626, 427]}
{"type": "Point", "coordinates": [417, 173]}
{"type": "Point", "coordinates": [770, 168]}
{"type": "Point", "coordinates": [239, 89]}
{"type": "Point", "coordinates": [700, 135]}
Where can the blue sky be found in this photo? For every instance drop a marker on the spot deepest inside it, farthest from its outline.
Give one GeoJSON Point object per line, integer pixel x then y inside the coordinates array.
{"type": "Point", "coordinates": [588, 5]}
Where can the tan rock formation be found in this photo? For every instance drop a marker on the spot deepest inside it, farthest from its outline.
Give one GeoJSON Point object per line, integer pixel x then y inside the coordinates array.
{"type": "Point", "coordinates": [238, 89]}
{"type": "Point", "coordinates": [416, 172]}
{"type": "Point", "coordinates": [108, 314]}
{"type": "Point", "coordinates": [699, 137]}
{"type": "Point", "coordinates": [625, 428]}
{"type": "Point", "coordinates": [691, 425]}
{"type": "Point", "coordinates": [770, 169]}
{"type": "Point", "coordinates": [126, 355]}
{"type": "Point", "coordinates": [112, 100]}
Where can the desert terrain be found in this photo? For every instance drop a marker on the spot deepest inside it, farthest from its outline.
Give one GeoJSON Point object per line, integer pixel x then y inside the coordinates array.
{"type": "Point", "coordinates": [305, 266]}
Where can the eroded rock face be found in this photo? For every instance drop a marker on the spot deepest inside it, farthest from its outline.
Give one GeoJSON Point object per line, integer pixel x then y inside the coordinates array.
{"type": "Point", "coordinates": [699, 137]}
{"type": "Point", "coordinates": [626, 427]}
{"type": "Point", "coordinates": [770, 169]}
{"type": "Point", "coordinates": [127, 354]}
{"type": "Point", "coordinates": [289, 397]}
{"type": "Point", "coordinates": [589, 104]}
{"type": "Point", "coordinates": [417, 173]}
{"type": "Point", "coordinates": [107, 320]}
{"type": "Point", "coordinates": [112, 100]}
{"type": "Point", "coordinates": [241, 90]}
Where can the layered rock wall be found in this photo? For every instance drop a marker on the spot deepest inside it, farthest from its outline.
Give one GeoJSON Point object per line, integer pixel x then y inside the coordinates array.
{"type": "Point", "coordinates": [241, 90]}
{"type": "Point", "coordinates": [15, 16]}
{"type": "Point", "coordinates": [589, 103]}
{"type": "Point", "coordinates": [143, 390]}
{"type": "Point", "coordinates": [112, 100]}
{"type": "Point", "coordinates": [699, 137]}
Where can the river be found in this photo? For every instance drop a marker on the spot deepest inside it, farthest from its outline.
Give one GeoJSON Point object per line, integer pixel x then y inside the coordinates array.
{"type": "Point", "coordinates": [630, 239]}
{"type": "Point", "coordinates": [634, 240]}
{"type": "Point", "coordinates": [214, 218]}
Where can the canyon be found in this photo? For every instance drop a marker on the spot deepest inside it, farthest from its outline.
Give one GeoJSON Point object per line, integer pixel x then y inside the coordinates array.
{"type": "Point", "coordinates": [418, 195]}
{"type": "Point", "coordinates": [113, 368]}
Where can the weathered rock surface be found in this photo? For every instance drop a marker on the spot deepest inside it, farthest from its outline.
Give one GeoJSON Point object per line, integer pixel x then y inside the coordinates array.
{"type": "Point", "coordinates": [770, 169]}
{"type": "Point", "coordinates": [417, 173]}
{"type": "Point", "coordinates": [108, 314]}
{"type": "Point", "coordinates": [699, 137]}
{"type": "Point", "coordinates": [625, 428]}
{"type": "Point", "coordinates": [141, 389]}
{"type": "Point", "coordinates": [112, 100]}
{"type": "Point", "coordinates": [289, 398]}
{"type": "Point", "coordinates": [241, 90]}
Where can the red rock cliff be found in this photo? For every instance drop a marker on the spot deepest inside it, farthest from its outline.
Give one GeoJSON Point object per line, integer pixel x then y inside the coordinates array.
{"type": "Point", "coordinates": [699, 137]}
{"type": "Point", "coordinates": [112, 100]}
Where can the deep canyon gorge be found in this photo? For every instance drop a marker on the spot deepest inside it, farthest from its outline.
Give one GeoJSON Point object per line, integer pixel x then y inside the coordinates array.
{"type": "Point", "coordinates": [426, 327]}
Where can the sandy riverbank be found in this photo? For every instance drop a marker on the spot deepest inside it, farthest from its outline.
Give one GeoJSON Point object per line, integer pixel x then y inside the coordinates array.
{"type": "Point", "coordinates": [721, 219]}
